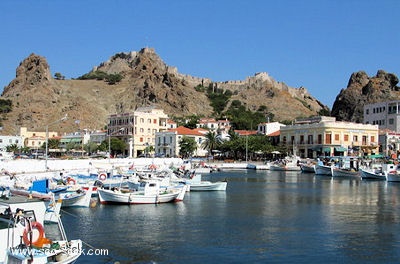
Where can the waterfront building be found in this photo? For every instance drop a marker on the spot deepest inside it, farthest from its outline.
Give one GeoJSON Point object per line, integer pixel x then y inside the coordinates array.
{"type": "Point", "coordinates": [167, 142]}
{"type": "Point", "coordinates": [324, 136]}
{"type": "Point", "coordinates": [6, 141]}
{"type": "Point", "coordinates": [138, 128]}
{"type": "Point", "coordinates": [36, 139]}
{"type": "Point", "coordinates": [268, 128]}
{"type": "Point", "coordinates": [384, 114]}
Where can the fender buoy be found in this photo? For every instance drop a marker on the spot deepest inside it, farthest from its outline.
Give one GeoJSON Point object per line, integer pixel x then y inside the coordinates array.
{"type": "Point", "coordinates": [71, 181]}
{"type": "Point", "coordinates": [102, 177]}
{"type": "Point", "coordinates": [29, 229]}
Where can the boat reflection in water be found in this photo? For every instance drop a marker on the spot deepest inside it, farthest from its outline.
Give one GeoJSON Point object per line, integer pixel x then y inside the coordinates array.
{"type": "Point", "coordinates": [262, 217]}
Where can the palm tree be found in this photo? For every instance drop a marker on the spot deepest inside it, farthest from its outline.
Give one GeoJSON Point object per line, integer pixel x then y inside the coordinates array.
{"type": "Point", "coordinates": [212, 141]}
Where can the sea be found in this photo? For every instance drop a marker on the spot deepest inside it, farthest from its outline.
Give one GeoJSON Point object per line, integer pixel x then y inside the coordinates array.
{"type": "Point", "coordinates": [262, 217]}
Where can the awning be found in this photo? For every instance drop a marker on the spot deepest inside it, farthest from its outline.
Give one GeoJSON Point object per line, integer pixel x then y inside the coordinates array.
{"type": "Point", "coordinates": [326, 149]}
{"type": "Point", "coordinates": [340, 149]}
{"type": "Point", "coordinates": [316, 148]}
{"type": "Point", "coordinates": [374, 156]}
{"type": "Point", "coordinates": [73, 140]}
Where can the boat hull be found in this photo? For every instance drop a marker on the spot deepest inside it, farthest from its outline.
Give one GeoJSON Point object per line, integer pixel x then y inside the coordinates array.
{"type": "Point", "coordinates": [370, 175]}
{"type": "Point", "coordinates": [307, 168]}
{"type": "Point", "coordinates": [112, 197]}
{"type": "Point", "coordinates": [336, 172]}
{"type": "Point", "coordinates": [208, 186]}
{"type": "Point", "coordinates": [323, 170]}
{"type": "Point", "coordinates": [273, 167]}
{"type": "Point", "coordinates": [393, 177]}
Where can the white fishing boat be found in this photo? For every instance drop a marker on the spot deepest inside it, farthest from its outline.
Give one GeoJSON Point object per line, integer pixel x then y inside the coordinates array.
{"type": "Point", "coordinates": [393, 176]}
{"type": "Point", "coordinates": [346, 173]}
{"type": "Point", "coordinates": [307, 167]}
{"type": "Point", "coordinates": [79, 198]}
{"type": "Point", "coordinates": [373, 174]}
{"type": "Point", "coordinates": [150, 194]}
{"type": "Point", "coordinates": [197, 184]}
{"type": "Point", "coordinates": [290, 163]}
{"type": "Point", "coordinates": [24, 238]}
{"type": "Point", "coordinates": [321, 169]}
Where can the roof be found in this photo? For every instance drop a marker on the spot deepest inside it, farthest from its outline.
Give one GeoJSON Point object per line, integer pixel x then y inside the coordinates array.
{"type": "Point", "coordinates": [184, 131]}
{"type": "Point", "coordinates": [246, 132]}
{"type": "Point", "coordinates": [274, 134]}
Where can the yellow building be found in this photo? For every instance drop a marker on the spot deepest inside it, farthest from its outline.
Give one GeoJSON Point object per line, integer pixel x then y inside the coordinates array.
{"type": "Point", "coordinates": [324, 136]}
{"type": "Point", "coordinates": [138, 129]}
{"type": "Point", "coordinates": [34, 139]}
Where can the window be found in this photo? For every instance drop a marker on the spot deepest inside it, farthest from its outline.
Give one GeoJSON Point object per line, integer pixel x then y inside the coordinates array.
{"type": "Point", "coordinates": [367, 112]}
{"type": "Point", "coordinates": [391, 121]}
{"type": "Point", "coordinates": [337, 137]}
{"type": "Point", "coordinates": [319, 139]}
{"type": "Point", "coordinates": [355, 138]}
{"type": "Point", "coordinates": [364, 140]}
{"type": "Point", "coordinates": [154, 121]}
{"type": "Point", "coordinates": [149, 121]}
{"type": "Point", "coordinates": [141, 139]}
{"type": "Point", "coordinates": [142, 120]}
{"type": "Point", "coordinates": [328, 138]}
{"type": "Point", "coordinates": [372, 139]}
{"type": "Point", "coordinates": [142, 130]}
{"type": "Point", "coordinates": [346, 137]}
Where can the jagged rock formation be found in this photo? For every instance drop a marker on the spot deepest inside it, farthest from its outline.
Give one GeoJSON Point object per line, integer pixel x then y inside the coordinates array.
{"type": "Point", "coordinates": [38, 99]}
{"type": "Point", "coordinates": [362, 90]}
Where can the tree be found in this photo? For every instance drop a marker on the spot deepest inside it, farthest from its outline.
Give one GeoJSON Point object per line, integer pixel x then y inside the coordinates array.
{"type": "Point", "coordinates": [117, 146]}
{"type": "Point", "coordinates": [90, 147]}
{"type": "Point", "coordinates": [187, 146]}
{"type": "Point", "coordinates": [59, 76]}
{"type": "Point", "coordinates": [212, 141]}
{"type": "Point", "coordinates": [52, 143]}
{"type": "Point", "coordinates": [12, 148]}
{"type": "Point", "coordinates": [192, 122]}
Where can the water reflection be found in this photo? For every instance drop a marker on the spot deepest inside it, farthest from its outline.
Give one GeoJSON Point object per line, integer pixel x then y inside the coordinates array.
{"type": "Point", "coordinates": [262, 217]}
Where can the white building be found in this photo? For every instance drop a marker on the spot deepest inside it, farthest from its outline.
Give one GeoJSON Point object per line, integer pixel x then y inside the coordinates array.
{"type": "Point", "coordinates": [384, 114]}
{"type": "Point", "coordinates": [167, 142]}
{"type": "Point", "coordinates": [6, 141]}
{"type": "Point", "coordinates": [269, 128]}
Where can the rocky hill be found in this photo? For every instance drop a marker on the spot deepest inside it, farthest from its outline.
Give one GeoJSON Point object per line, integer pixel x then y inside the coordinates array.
{"type": "Point", "coordinates": [362, 90]}
{"type": "Point", "coordinates": [38, 99]}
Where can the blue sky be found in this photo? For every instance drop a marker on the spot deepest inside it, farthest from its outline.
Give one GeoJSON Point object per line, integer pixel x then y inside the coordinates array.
{"type": "Point", "coordinates": [316, 44]}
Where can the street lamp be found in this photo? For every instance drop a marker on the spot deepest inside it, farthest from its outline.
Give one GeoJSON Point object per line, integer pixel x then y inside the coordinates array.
{"type": "Point", "coordinates": [47, 137]}
{"type": "Point", "coordinates": [109, 142]}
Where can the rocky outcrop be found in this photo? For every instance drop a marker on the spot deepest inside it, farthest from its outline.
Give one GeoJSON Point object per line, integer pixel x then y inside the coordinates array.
{"type": "Point", "coordinates": [361, 90]}
{"type": "Point", "coordinates": [38, 99]}
{"type": "Point", "coordinates": [32, 72]}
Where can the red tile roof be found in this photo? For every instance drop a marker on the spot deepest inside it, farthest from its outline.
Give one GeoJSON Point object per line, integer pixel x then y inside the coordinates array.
{"type": "Point", "coordinates": [184, 131]}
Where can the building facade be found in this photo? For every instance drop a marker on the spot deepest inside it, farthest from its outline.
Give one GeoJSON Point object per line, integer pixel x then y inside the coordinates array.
{"type": "Point", "coordinates": [167, 142]}
{"type": "Point", "coordinates": [324, 136]}
{"type": "Point", "coordinates": [384, 114]}
{"type": "Point", "coordinates": [6, 141]}
{"type": "Point", "coordinates": [138, 129]}
{"type": "Point", "coordinates": [269, 128]}
{"type": "Point", "coordinates": [35, 140]}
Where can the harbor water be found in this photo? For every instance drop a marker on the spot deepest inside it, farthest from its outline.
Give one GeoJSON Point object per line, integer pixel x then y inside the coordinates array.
{"type": "Point", "coordinates": [262, 217]}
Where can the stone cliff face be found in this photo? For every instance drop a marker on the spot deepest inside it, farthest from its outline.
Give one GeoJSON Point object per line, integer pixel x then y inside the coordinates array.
{"type": "Point", "coordinates": [362, 90]}
{"type": "Point", "coordinates": [38, 99]}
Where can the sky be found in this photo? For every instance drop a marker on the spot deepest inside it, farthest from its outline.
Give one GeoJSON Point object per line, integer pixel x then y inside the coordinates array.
{"type": "Point", "coordinates": [316, 44]}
